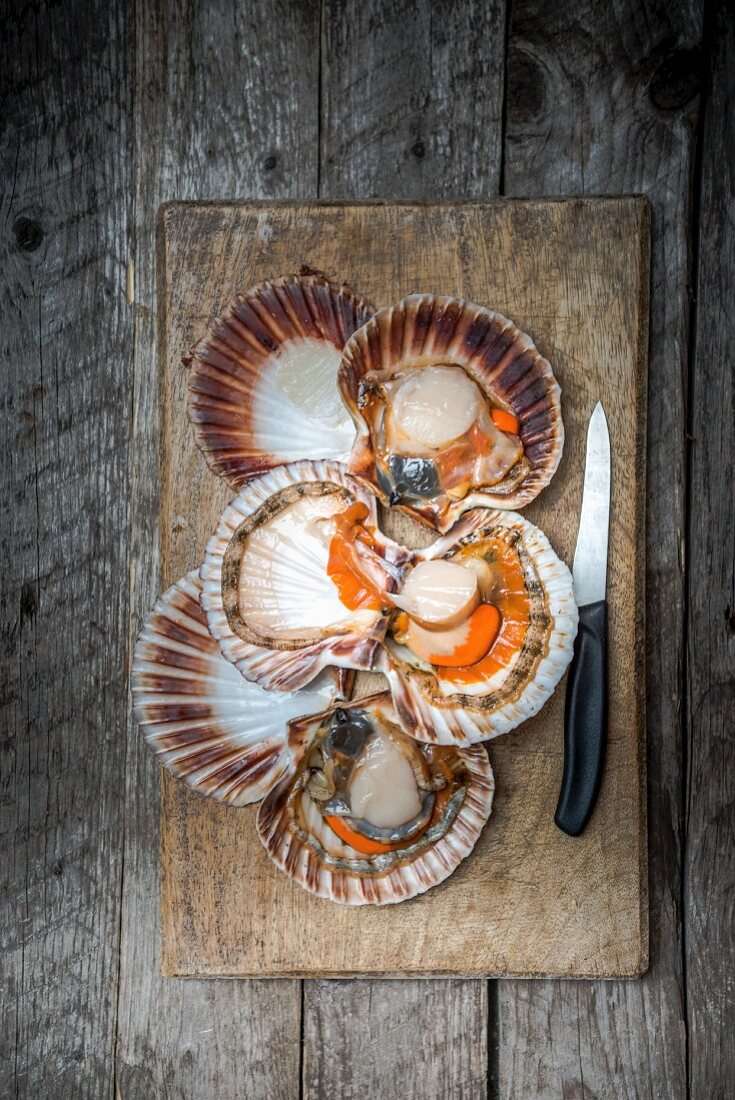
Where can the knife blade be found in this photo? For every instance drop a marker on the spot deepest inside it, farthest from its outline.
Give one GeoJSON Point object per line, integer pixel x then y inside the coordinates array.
{"type": "Point", "coordinates": [585, 714]}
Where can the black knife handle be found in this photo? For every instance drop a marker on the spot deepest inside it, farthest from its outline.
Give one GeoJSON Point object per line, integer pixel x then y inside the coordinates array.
{"type": "Point", "coordinates": [585, 721]}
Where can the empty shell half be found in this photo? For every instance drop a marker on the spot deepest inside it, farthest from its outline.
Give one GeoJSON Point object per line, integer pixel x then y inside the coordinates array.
{"type": "Point", "coordinates": [454, 408]}
{"type": "Point", "coordinates": [262, 383]}
{"type": "Point", "coordinates": [467, 662]}
{"type": "Point", "coordinates": [366, 815]}
{"type": "Point", "coordinates": [222, 736]}
{"type": "Point", "coordinates": [297, 576]}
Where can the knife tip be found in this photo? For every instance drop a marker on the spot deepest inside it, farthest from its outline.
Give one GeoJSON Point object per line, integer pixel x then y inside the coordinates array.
{"type": "Point", "coordinates": [598, 417]}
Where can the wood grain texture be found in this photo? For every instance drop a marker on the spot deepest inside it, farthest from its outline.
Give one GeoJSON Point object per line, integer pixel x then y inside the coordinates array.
{"type": "Point", "coordinates": [66, 363]}
{"type": "Point", "coordinates": [602, 98]}
{"type": "Point", "coordinates": [226, 105]}
{"type": "Point", "coordinates": [412, 99]}
{"type": "Point", "coordinates": [709, 867]}
{"type": "Point", "coordinates": [443, 1051]}
{"type": "Point", "coordinates": [411, 107]}
{"type": "Point", "coordinates": [529, 900]}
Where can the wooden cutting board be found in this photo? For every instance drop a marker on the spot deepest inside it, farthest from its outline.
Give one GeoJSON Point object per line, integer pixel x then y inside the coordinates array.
{"type": "Point", "coordinates": [530, 901]}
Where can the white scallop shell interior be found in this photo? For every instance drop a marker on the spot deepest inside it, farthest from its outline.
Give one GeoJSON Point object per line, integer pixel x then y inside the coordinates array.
{"type": "Point", "coordinates": [297, 409]}
{"type": "Point", "coordinates": [224, 737]}
{"type": "Point", "coordinates": [289, 574]}
{"type": "Point", "coordinates": [284, 577]}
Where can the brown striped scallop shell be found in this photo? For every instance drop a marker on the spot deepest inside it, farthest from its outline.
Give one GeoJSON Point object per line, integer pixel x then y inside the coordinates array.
{"type": "Point", "coordinates": [262, 381]}
{"type": "Point", "coordinates": [512, 376]}
{"type": "Point", "coordinates": [222, 736]}
{"type": "Point", "coordinates": [299, 839]}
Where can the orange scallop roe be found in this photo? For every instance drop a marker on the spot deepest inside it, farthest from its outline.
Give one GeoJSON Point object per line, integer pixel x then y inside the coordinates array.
{"type": "Point", "coordinates": [481, 630]}
{"type": "Point", "coordinates": [356, 840]}
{"type": "Point", "coordinates": [356, 591]}
{"type": "Point", "coordinates": [508, 422]}
{"type": "Point", "coordinates": [509, 594]}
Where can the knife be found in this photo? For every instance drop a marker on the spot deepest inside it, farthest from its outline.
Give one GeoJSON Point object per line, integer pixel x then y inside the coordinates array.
{"type": "Point", "coordinates": [585, 715]}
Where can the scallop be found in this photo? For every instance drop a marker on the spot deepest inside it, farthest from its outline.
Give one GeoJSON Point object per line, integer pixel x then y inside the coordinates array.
{"type": "Point", "coordinates": [262, 381]}
{"type": "Point", "coordinates": [483, 676]}
{"type": "Point", "coordinates": [298, 577]}
{"type": "Point", "coordinates": [438, 593]}
{"type": "Point", "coordinates": [222, 736]}
{"type": "Point", "coordinates": [365, 814]}
{"type": "Point", "coordinates": [454, 408]}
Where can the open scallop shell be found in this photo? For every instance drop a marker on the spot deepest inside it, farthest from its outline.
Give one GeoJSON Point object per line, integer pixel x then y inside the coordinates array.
{"type": "Point", "coordinates": [302, 625]}
{"type": "Point", "coordinates": [299, 840]}
{"type": "Point", "coordinates": [440, 712]}
{"type": "Point", "coordinates": [222, 736]}
{"type": "Point", "coordinates": [511, 374]}
{"type": "Point", "coordinates": [262, 383]}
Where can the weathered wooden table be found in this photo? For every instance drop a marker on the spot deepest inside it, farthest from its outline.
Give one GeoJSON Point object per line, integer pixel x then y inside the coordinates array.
{"type": "Point", "coordinates": [112, 107]}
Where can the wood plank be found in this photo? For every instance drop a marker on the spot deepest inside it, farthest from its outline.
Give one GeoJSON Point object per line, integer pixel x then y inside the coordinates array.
{"type": "Point", "coordinates": [442, 1053]}
{"type": "Point", "coordinates": [412, 97]}
{"type": "Point", "coordinates": [67, 333]}
{"type": "Point", "coordinates": [540, 902]}
{"type": "Point", "coordinates": [226, 106]}
{"type": "Point", "coordinates": [601, 99]}
{"type": "Point", "coordinates": [709, 869]}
